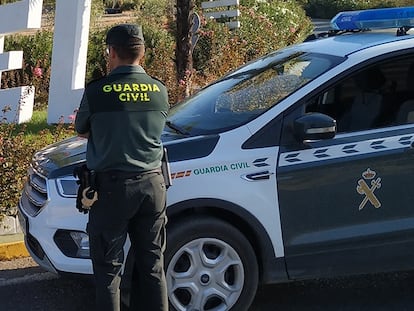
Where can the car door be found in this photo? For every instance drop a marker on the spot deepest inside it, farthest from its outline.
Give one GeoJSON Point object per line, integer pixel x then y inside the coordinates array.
{"type": "Point", "coordinates": [346, 203]}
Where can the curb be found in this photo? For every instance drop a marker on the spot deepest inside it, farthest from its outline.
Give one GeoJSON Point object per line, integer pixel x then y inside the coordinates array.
{"type": "Point", "coordinates": [13, 250]}
{"type": "Point", "coordinates": [12, 243]}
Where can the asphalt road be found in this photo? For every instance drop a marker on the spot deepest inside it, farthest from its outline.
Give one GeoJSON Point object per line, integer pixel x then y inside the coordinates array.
{"type": "Point", "coordinates": [24, 286]}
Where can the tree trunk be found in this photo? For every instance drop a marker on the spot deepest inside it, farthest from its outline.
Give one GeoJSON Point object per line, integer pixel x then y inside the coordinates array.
{"type": "Point", "coordinates": [183, 55]}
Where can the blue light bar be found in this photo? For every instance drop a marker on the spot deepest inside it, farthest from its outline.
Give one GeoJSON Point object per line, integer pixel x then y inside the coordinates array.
{"type": "Point", "coordinates": [374, 18]}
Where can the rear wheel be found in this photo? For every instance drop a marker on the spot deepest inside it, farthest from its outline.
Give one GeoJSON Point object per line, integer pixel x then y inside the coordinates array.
{"type": "Point", "coordinates": [210, 265]}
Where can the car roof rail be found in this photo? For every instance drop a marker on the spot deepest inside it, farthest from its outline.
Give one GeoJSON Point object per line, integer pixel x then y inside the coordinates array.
{"type": "Point", "coordinates": [330, 33]}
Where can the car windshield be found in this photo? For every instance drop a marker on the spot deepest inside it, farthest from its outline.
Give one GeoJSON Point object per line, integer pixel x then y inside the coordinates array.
{"type": "Point", "coordinates": [247, 92]}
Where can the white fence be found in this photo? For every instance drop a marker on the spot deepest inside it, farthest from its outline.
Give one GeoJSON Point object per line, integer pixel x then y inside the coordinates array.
{"type": "Point", "coordinates": [225, 11]}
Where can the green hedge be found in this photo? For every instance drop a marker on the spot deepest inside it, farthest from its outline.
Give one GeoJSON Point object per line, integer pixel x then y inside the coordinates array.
{"type": "Point", "coordinates": [17, 145]}
{"type": "Point", "coordinates": [328, 8]}
{"type": "Point", "coordinates": [37, 51]}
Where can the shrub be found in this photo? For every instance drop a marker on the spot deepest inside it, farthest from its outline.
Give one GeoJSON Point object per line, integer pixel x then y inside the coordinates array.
{"type": "Point", "coordinates": [158, 62]}
{"type": "Point", "coordinates": [265, 27]}
{"type": "Point", "coordinates": [37, 50]}
{"type": "Point", "coordinates": [96, 62]}
{"type": "Point", "coordinates": [17, 145]}
{"type": "Point", "coordinates": [158, 57]}
{"type": "Point", "coordinates": [14, 156]}
{"type": "Point", "coordinates": [329, 8]}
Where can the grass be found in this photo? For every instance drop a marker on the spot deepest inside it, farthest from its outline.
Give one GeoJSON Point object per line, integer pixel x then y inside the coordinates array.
{"type": "Point", "coordinates": [38, 129]}
{"type": "Point", "coordinates": [37, 124]}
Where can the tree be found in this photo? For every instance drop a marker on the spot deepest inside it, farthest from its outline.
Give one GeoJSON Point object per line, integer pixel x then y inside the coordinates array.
{"type": "Point", "coordinates": [183, 51]}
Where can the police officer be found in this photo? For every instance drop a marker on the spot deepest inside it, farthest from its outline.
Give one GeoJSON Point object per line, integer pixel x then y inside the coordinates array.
{"type": "Point", "coordinates": [123, 115]}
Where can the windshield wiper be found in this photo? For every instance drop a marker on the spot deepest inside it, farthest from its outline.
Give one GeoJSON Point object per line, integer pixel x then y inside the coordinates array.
{"type": "Point", "coordinates": [176, 128]}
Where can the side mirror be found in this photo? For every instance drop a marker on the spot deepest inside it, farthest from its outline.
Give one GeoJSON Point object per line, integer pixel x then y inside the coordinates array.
{"type": "Point", "coordinates": [314, 126]}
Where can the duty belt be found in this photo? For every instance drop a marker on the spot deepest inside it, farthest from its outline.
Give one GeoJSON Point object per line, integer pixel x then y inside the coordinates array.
{"type": "Point", "coordinates": [122, 175]}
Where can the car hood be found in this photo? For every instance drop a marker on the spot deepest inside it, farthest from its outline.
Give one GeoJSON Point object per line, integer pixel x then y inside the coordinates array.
{"type": "Point", "coordinates": [53, 158]}
{"type": "Point", "coordinates": [62, 157]}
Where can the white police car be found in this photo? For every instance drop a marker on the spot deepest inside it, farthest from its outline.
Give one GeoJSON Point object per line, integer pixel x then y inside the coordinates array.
{"type": "Point", "coordinates": [297, 165]}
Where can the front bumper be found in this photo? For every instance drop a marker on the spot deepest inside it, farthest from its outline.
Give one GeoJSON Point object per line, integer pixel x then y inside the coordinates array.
{"type": "Point", "coordinates": [33, 246]}
{"type": "Point", "coordinates": [43, 233]}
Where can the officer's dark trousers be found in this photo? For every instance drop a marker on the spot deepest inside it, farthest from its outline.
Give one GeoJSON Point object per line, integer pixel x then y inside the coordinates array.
{"type": "Point", "coordinates": [134, 205]}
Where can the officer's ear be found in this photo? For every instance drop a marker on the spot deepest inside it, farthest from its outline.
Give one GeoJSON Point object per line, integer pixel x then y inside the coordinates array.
{"type": "Point", "coordinates": [141, 52]}
{"type": "Point", "coordinates": [110, 51]}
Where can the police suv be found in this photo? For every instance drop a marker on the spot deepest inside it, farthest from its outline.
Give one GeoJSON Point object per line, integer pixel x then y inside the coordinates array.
{"type": "Point", "coordinates": [297, 165]}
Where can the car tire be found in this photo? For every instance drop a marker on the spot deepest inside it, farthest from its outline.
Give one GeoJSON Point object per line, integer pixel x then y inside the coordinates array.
{"type": "Point", "coordinates": [210, 265]}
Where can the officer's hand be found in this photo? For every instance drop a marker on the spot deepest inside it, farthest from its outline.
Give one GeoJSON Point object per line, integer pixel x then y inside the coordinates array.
{"type": "Point", "coordinates": [79, 205]}
{"type": "Point", "coordinates": [82, 210]}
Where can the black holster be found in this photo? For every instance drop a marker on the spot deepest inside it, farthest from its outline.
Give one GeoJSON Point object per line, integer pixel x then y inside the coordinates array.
{"type": "Point", "coordinates": [165, 169]}
{"type": "Point", "coordinates": [87, 191]}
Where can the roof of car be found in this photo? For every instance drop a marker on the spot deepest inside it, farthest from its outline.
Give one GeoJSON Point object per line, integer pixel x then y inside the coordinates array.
{"type": "Point", "coordinates": [353, 31]}
{"type": "Point", "coordinates": [348, 43]}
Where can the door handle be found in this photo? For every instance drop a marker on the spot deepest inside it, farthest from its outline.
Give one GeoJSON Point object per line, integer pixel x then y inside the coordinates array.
{"type": "Point", "coordinates": [257, 176]}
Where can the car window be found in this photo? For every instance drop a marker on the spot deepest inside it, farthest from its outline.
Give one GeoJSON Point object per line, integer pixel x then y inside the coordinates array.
{"type": "Point", "coordinates": [260, 92]}
{"type": "Point", "coordinates": [247, 92]}
{"type": "Point", "coordinates": [380, 95]}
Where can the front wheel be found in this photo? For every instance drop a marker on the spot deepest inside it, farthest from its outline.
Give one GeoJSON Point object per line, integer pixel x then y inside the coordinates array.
{"type": "Point", "coordinates": [210, 265]}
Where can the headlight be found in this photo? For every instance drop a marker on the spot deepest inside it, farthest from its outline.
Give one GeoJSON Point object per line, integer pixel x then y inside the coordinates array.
{"type": "Point", "coordinates": [73, 244]}
{"type": "Point", "coordinates": [67, 186]}
{"type": "Point", "coordinates": [82, 242]}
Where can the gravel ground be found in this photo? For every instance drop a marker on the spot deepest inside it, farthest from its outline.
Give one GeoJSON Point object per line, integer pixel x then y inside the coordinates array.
{"type": "Point", "coordinates": [18, 268]}
{"type": "Point", "coordinates": [26, 262]}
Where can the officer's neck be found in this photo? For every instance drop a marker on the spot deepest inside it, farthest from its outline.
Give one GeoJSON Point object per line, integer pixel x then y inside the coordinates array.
{"type": "Point", "coordinates": [118, 63]}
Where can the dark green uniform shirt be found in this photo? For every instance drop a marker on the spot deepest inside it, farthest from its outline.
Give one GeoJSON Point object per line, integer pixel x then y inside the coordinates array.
{"type": "Point", "coordinates": [124, 114]}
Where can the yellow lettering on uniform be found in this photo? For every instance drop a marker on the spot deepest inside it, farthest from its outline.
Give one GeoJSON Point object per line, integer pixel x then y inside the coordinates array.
{"type": "Point", "coordinates": [127, 88]}
{"type": "Point", "coordinates": [135, 96]}
{"type": "Point", "coordinates": [122, 97]}
{"type": "Point", "coordinates": [135, 87]}
{"type": "Point", "coordinates": [117, 87]}
{"type": "Point", "coordinates": [107, 88]}
{"type": "Point", "coordinates": [144, 97]}
{"type": "Point", "coordinates": [144, 87]}
{"type": "Point", "coordinates": [155, 88]}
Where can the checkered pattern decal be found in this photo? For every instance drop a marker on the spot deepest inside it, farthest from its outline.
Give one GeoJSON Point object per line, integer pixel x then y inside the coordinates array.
{"type": "Point", "coordinates": [345, 150]}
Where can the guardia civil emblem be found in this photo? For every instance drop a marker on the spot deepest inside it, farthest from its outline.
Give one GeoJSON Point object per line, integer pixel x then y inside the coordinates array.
{"type": "Point", "coordinates": [367, 186]}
